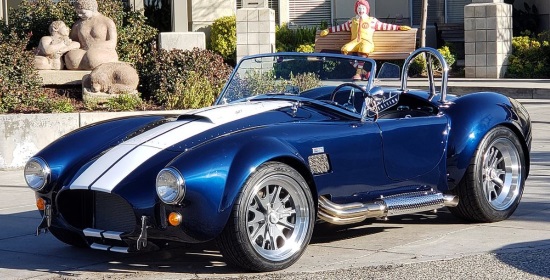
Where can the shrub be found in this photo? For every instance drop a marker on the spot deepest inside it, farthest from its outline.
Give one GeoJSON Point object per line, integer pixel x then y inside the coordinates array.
{"type": "Point", "coordinates": [135, 37]}
{"type": "Point", "coordinates": [306, 48]}
{"type": "Point", "coordinates": [165, 76]}
{"type": "Point", "coordinates": [223, 38]}
{"type": "Point", "coordinates": [191, 92]}
{"type": "Point", "coordinates": [124, 102]}
{"type": "Point", "coordinates": [418, 65]}
{"type": "Point", "coordinates": [34, 17]}
{"type": "Point", "coordinates": [288, 40]}
{"type": "Point", "coordinates": [530, 58]}
{"type": "Point", "coordinates": [20, 84]}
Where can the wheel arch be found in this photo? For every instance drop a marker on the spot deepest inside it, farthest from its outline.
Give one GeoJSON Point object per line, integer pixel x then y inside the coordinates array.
{"type": "Point", "coordinates": [472, 117]}
{"type": "Point", "coordinates": [252, 155]}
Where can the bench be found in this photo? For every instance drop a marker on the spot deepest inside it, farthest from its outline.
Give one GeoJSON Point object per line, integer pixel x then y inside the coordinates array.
{"type": "Point", "coordinates": [388, 45]}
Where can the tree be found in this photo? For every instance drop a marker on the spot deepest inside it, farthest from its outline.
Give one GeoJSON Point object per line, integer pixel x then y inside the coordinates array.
{"type": "Point", "coordinates": [424, 20]}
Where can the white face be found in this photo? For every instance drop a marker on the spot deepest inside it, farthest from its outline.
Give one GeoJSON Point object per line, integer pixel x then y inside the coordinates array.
{"type": "Point", "coordinates": [84, 14]}
{"type": "Point", "coordinates": [64, 30]}
{"type": "Point", "coordinates": [362, 10]}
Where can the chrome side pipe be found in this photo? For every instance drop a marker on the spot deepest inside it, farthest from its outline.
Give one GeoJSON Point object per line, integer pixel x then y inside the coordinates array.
{"type": "Point", "coordinates": [408, 203]}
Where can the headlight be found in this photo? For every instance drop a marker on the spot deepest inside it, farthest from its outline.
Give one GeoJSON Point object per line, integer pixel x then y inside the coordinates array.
{"type": "Point", "coordinates": [37, 173]}
{"type": "Point", "coordinates": [170, 186]}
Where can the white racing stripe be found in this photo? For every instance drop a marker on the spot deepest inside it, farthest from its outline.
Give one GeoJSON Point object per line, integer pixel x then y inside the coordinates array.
{"type": "Point", "coordinates": [112, 167]}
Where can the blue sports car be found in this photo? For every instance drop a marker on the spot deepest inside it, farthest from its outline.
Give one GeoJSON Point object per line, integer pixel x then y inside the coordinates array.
{"type": "Point", "coordinates": [291, 141]}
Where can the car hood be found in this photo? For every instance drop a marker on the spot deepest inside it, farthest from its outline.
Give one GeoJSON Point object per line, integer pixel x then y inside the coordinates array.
{"type": "Point", "coordinates": [151, 147]}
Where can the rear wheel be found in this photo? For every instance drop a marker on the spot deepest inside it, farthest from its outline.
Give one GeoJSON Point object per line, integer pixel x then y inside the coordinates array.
{"type": "Point", "coordinates": [493, 184]}
{"type": "Point", "coordinates": [271, 222]}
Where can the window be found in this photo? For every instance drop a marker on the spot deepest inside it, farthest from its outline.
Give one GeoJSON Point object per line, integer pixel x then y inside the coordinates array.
{"type": "Point", "coordinates": [440, 11]}
{"type": "Point", "coordinates": [309, 12]}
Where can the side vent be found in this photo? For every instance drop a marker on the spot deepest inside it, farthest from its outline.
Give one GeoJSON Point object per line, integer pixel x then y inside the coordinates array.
{"type": "Point", "coordinates": [319, 163]}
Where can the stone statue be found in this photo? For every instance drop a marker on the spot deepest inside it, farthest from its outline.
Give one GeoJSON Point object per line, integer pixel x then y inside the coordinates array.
{"type": "Point", "coordinates": [112, 78]}
{"type": "Point", "coordinates": [362, 28]}
{"type": "Point", "coordinates": [97, 36]}
{"type": "Point", "coordinates": [51, 48]}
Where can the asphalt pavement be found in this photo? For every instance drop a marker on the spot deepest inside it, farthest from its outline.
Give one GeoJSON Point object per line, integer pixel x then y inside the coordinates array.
{"type": "Point", "coordinates": [421, 246]}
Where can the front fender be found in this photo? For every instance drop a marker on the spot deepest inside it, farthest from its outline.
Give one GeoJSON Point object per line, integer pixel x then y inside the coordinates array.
{"type": "Point", "coordinates": [215, 173]}
{"type": "Point", "coordinates": [472, 116]}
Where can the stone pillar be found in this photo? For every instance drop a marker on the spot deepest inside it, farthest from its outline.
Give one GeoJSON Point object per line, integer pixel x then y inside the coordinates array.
{"type": "Point", "coordinates": [180, 22]}
{"type": "Point", "coordinates": [487, 38]}
{"type": "Point", "coordinates": [255, 30]}
{"type": "Point", "coordinates": [4, 11]}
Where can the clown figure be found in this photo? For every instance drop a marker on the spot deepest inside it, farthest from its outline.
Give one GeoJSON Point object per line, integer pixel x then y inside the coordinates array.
{"type": "Point", "coordinates": [362, 28]}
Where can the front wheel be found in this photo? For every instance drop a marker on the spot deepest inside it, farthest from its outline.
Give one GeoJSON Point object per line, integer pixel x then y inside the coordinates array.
{"type": "Point", "coordinates": [271, 222]}
{"type": "Point", "coordinates": [492, 187]}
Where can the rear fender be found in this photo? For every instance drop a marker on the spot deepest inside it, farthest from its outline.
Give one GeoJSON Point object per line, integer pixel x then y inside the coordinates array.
{"type": "Point", "coordinates": [472, 116]}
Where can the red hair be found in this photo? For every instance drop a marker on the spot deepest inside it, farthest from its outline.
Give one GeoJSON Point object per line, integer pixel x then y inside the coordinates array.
{"type": "Point", "coordinates": [362, 2]}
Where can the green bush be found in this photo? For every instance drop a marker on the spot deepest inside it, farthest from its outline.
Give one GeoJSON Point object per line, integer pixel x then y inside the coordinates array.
{"type": "Point", "coordinates": [20, 84]}
{"type": "Point", "coordinates": [223, 38]}
{"type": "Point", "coordinates": [191, 92]}
{"type": "Point", "coordinates": [124, 102]}
{"type": "Point", "coordinates": [418, 65]}
{"type": "Point", "coordinates": [306, 48]}
{"type": "Point", "coordinates": [167, 76]}
{"type": "Point", "coordinates": [135, 36]}
{"type": "Point", "coordinates": [35, 17]}
{"type": "Point", "coordinates": [288, 40]}
{"type": "Point", "coordinates": [530, 58]}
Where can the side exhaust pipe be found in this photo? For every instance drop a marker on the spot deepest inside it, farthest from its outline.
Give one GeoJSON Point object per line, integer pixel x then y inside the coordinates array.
{"type": "Point", "coordinates": [400, 204]}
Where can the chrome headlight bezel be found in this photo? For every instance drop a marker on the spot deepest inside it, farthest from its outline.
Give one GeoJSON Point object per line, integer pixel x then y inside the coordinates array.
{"type": "Point", "coordinates": [37, 173]}
{"type": "Point", "coordinates": [170, 186]}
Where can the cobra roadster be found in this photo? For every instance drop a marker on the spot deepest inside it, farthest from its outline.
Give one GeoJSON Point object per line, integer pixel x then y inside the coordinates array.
{"type": "Point", "coordinates": [292, 141]}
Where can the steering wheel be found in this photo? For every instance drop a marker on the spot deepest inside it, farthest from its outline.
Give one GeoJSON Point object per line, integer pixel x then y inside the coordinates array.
{"type": "Point", "coordinates": [349, 105]}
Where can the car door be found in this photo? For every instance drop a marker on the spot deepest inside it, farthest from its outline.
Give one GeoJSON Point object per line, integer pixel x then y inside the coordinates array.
{"type": "Point", "coordinates": [413, 146]}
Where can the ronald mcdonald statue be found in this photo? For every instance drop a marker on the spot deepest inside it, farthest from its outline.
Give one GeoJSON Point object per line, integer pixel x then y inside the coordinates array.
{"type": "Point", "coordinates": [362, 29]}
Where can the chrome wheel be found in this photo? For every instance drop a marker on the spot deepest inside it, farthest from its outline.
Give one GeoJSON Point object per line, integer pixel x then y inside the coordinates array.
{"type": "Point", "coordinates": [501, 174]}
{"type": "Point", "coordinates": [271, 221]}
{"type": "Point", "coordinates": [278, 217]}
{"type": "Point", "coordinates": [492, 186]}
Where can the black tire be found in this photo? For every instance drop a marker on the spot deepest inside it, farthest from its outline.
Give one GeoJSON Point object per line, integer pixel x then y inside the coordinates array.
{"type": "Point", "coordinates": [492, 187]}
{"type": "Point", "coordinates": [271, 222]}
{"type": "Point", "coordinates": [68, 237]}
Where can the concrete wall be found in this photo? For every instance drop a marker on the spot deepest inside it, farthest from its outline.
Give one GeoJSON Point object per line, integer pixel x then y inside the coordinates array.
{"type": "Point", "coordinates": [23, 135]}
{"type": "Point", "coordinates": [202, 13]}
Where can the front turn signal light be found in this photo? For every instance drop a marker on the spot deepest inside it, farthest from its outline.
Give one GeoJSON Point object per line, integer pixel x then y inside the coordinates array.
{"type": "Point", "coordinates": [40, 204]}
{"type": "Point", "coordinates": [174, 219]}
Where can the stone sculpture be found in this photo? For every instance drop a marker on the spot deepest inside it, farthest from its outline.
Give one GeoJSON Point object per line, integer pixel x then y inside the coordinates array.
{"type": "Point", "coordinates": [51, 48]}
{"type": "Point", "coordinates": [109, 79]}
{"type": "Point", "coordinates": [97, 36]}
{"type": "Point", "coordinates": [113, 78]}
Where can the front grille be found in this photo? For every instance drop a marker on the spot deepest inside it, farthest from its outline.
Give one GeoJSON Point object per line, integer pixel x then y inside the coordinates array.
{"type": "Point", "coordinates": [113, 213]}
{"type": "Point", "coordinates": [92, 209]}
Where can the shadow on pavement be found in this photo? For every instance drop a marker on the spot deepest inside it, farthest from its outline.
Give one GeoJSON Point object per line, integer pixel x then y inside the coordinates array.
{"type": "Point", "coordinates": [531, 257]}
